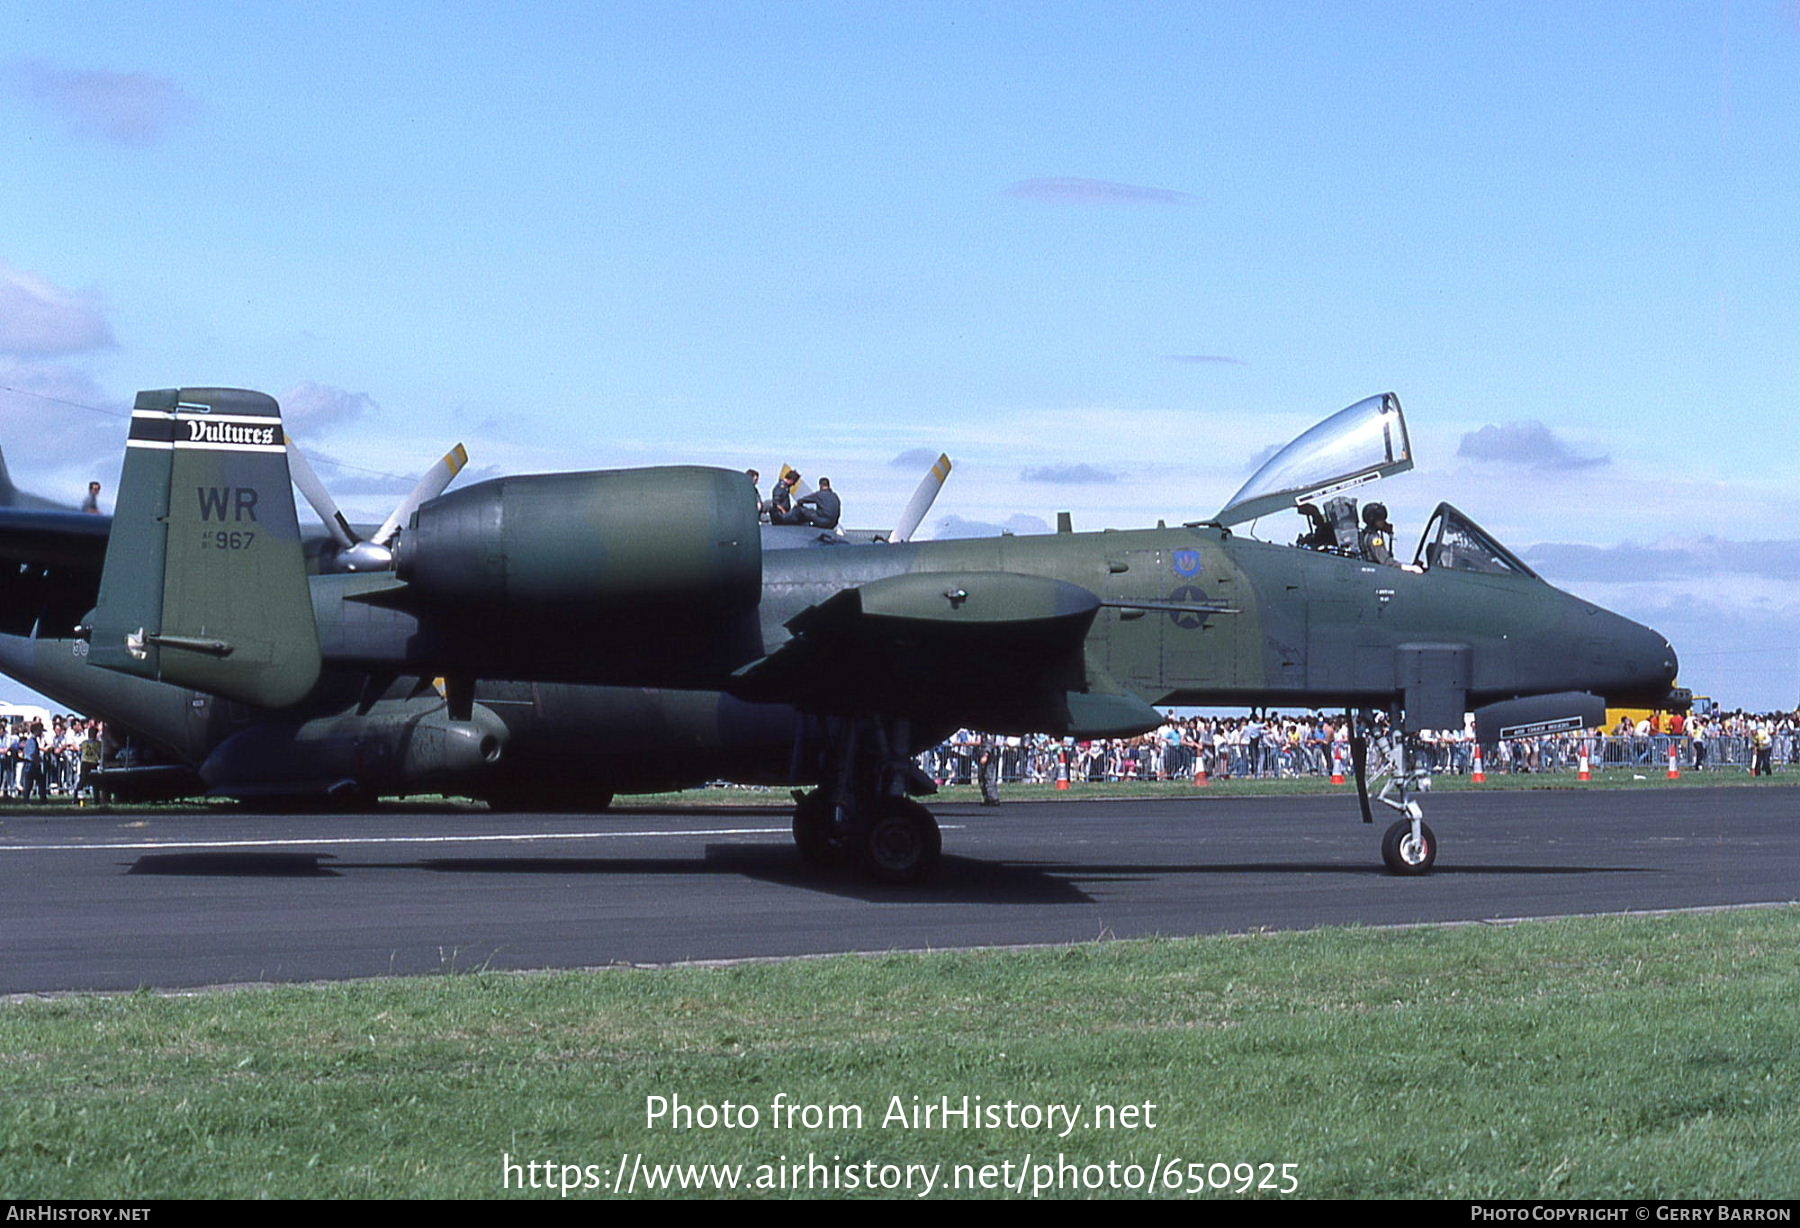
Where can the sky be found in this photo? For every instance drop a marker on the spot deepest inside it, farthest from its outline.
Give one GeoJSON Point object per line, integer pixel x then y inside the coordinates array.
{"type": "Point", "coordinates": [1105, 256]}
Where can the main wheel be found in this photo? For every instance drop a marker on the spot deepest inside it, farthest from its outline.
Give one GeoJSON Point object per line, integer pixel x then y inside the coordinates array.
{"type": "Point", "coordinates": [901, 844]}
{"type": "Point", "coordinates": [1405, 854]}
{"type": "Point", "coordinates": [814, 835]}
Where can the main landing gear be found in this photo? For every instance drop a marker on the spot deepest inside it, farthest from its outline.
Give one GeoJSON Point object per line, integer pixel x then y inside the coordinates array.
{"type": "Point", "coordinates": [1409, 847]}
{"type": "Point", "coordinates": [860, 814]}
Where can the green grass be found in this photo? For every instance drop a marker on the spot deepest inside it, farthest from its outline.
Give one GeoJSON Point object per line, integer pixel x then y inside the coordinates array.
{"type": "Point", "coordinates": [1650, 1057]}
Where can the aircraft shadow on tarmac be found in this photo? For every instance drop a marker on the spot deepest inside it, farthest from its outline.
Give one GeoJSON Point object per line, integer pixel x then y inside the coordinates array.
{"type": "Point", "coordinates": [235, 865]}
{"type": "Point", "coordinates": [960, 880]}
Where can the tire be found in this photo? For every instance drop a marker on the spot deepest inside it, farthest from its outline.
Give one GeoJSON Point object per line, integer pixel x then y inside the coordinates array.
{"type": "Point", "coordinates": [813, 834]}
{"type": "Point", "coordinates": [1403, 854]}
{"type": "Point", "coordinates": [901, 844]}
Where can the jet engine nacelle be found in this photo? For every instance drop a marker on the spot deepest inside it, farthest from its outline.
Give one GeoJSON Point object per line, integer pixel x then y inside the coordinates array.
{"type": "Point", "coordinates": [1537, 715]}
{"type": "Point", "coordinates": [626, 545]}
{"type": "Point", "coordinates": [399, 746]}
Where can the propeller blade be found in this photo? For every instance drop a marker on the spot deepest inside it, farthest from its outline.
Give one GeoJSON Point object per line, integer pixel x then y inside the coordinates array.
{"type": "Point", "coordinates": [301, 470]}
{"type": "Point", "coordinates": [430, 487]}
{"type": "Point", "coordinates": [802, 488]}
{"type": "Point", "coordinates": [922, 499]}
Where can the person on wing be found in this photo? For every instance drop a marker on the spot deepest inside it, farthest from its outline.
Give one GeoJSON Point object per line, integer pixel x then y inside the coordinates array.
{"type": "Point", "coordinates": [820, 509]}
{"type": "Point", "coordinates": [762, 505]}
{"type": "Point", "coordinates": [781, 500]}
{"type": "Point", "coordinates": [1377, 540]}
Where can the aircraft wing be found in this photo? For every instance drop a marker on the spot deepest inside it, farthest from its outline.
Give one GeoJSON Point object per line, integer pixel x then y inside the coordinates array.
{"type": "Point", "coordinates": [991, 650]}
{"type": "Point", "coordinates": [50, 564]}
{"type": "Point", "coordinates": [62, 539]}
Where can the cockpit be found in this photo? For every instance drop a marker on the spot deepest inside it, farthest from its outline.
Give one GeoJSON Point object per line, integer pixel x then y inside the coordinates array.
{"type": "Point", "coordinates": [1357, 445]}
{"type": "Point", "coordinates": [1456, 543]}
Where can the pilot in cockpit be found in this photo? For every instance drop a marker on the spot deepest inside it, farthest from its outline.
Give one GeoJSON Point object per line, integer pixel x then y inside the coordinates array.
{"type": "Point", "coordinates": [1377, 540]}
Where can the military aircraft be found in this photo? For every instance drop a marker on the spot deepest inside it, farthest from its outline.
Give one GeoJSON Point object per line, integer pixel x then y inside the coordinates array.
{"type": "Point", "coordinates": [570, 614]}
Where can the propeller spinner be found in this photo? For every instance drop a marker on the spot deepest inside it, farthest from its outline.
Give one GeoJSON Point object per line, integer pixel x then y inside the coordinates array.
{"type": "Point", "coordinates": [356, 553]}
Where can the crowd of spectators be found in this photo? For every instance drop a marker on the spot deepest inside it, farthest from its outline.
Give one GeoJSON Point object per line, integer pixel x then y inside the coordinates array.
{"type": "Point", "coordinates": [59, 760]}
{"type": "Point", "coordinates": [1276, 746]}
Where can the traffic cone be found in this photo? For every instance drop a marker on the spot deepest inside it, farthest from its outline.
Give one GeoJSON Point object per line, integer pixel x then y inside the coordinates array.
{"type": "Point", "coordinates": [1337, 763]}
{"type": "Point", "coordinates": [1478, 776]}
{"type": "Point", "coordinates": [1586, 774]}
{"type": "Point", "coordinates": [1062, 769]}
{"type": "Point", "coordinates": [1200, 779]}
{"type": "Point", "coordinates": [1674, 772]}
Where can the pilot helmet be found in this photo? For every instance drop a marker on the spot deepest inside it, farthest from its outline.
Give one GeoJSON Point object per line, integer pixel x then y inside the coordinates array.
{"type": "Point", "coordinates": [1375, 513]}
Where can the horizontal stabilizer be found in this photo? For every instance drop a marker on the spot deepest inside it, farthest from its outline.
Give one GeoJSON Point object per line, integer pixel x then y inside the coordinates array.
{"type": "Point", "coordinates": [205, 580]}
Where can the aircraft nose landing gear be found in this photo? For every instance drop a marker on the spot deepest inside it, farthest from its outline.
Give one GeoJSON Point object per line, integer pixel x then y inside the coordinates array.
{"type": "Point", "coordinates": [1409, 847]}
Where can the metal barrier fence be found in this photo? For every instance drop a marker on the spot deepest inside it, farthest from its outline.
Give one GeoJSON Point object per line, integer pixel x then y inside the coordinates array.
{"type": "Point", "coordinates": [1027, 760]}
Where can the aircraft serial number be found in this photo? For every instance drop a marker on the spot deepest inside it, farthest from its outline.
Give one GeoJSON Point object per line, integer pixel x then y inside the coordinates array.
{"type": "Point", "coordinates": [227, 539]}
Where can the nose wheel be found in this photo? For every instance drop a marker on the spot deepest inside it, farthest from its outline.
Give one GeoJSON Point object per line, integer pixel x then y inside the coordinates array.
{"type": "Point", "coordinates": [1409, 847]}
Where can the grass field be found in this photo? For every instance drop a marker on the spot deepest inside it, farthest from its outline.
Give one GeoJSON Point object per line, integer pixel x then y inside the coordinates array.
{"type": "Point", "coordinates": [1646, 1057]}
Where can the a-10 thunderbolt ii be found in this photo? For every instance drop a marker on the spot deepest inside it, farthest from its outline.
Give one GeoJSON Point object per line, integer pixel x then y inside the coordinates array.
{"type": "Point", "coordinates": [563, 615]}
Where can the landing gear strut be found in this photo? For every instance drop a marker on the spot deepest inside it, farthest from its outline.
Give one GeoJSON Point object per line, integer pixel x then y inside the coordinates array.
{"type": "Point", "coordinates": [860, 813]}
{"type": "Point", "coordinates": [1409, 847]}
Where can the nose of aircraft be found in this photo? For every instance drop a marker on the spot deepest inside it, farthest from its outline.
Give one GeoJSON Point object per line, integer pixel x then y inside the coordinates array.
{"type": "Point", "coordinates": [1638, 664]}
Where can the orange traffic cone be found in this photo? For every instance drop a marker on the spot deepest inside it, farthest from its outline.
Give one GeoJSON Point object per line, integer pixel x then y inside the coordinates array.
{"type": "Point", "coordinates": [1200, 777]}
{"type": "Point", "coordinates": [1062, 769]}
{"type": "Point", "coordinates": [1478, 776]}
{"type": "Point", "coordinates": [1586, 774]}
{"type": "Point", "coordinates": [1674, 771]}
{"type": "Point", "coordinates": [1337, 763]}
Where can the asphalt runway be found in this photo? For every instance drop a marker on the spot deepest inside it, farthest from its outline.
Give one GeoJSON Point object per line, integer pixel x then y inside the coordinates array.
{"type": "Point", "coordinates": [109, 902]}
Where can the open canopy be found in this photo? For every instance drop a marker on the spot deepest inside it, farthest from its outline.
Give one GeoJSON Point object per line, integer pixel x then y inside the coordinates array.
{"type": "Point", "coordinates": [1355, 445]}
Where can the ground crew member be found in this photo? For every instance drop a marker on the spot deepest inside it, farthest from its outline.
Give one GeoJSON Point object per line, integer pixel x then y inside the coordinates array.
{"type": "Point", "coordinates": [822, 508]}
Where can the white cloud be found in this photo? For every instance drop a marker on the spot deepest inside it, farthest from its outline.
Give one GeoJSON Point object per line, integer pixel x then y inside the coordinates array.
{"type": "Point", "coordinates": [39, 319]}
{"type": "Point", "coordinates": [1531, 444]}
{"type": "Point", "coordinates": [310, 410]}
{"type": "Point", "coordinates": [132, 109]}
{"type": "Point", "coordinates": [59, 429]}
{"type": "Point", "coordinates": [1069, 475]}
{"type": "Point", "coordinates": [948, 527]}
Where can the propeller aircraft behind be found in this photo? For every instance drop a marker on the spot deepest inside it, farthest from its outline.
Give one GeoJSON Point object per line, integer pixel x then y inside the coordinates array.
{"type": "Point", "coordinates": [638, 629]}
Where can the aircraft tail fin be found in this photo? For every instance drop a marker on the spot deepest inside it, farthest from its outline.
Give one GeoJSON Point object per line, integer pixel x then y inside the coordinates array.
{"type": "Point", "coordinates": [205, 581]}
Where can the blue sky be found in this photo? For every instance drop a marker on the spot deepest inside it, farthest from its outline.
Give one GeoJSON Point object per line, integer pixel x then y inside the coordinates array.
{"type": "Point", "coordinates": [1104, 255]}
